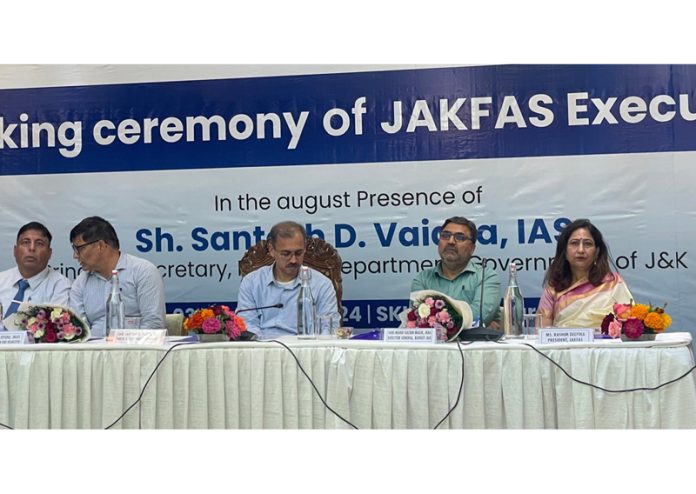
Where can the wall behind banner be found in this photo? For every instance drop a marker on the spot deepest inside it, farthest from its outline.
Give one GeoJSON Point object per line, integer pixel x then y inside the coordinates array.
{"type": "Point", "coordinates": [193, 172]}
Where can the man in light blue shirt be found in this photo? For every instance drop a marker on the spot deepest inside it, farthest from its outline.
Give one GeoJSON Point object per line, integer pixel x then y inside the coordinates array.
{"type": "Point", "coordinates": [459, 278]}
{"type": "Point", "coordinates": [96, 247]}
{"type": "Point", "coordinates": [42, 283]}
{"type": "Point", "coordinates": [280, 283]}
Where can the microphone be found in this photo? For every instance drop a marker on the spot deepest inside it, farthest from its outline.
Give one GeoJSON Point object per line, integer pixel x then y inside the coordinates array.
{"type": "Point", "coordinates": [480, 332]}
{"type": "Point", "coordinates": [247, 335]}
{"type": "Point", "coordinates": [279, 305]}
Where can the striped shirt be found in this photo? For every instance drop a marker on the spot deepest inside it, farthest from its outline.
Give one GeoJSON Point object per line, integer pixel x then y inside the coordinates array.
{"type": "Point", "coordinates": [142, 291]}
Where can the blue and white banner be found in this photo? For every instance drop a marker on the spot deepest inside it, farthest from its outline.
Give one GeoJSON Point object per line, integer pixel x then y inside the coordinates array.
{"type": "Point", "coordinates": [193, 172]}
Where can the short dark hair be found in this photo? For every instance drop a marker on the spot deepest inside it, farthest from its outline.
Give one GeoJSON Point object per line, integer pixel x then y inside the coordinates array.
{"type": "Point", "coordinates": [95, 228]}
{"type": "Point", "coordinates": [461, 220]}
{"type": "Point", "coordinates": [35, 225]}
{"type": "Point", "coordinates": [559, 276]}
{"type": "Point", "coordinates": [286, 229]}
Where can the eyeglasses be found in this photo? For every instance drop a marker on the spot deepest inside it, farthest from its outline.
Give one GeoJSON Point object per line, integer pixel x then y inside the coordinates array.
{"type": "Point", "coordinates": [287, 254]}
{"type": "Point", "coordinates": [76, 248]}
{"type": "Point", "coordinates": [458, 237]}
{"type": "Point", "coordinates": [586, 243]}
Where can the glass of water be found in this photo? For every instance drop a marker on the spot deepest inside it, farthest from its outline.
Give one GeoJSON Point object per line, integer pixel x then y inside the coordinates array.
{"type": "Point", "coordinates": [328, 324]}
{"type": "Point", "coordinates": [530, 327]}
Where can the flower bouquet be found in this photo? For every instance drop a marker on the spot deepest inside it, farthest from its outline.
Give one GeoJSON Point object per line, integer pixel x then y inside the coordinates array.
{"type": "Point", "coordinates": [218, 320]}
{"type": "Point", "coordinates": [51, 323]}
{"type": "Point", "coordinates": [433, 309]}
{"type": "Point", "coordinates": [634, 320]}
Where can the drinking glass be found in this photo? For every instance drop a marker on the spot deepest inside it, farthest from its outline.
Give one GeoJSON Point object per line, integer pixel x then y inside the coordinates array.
{"type": "Point", "coordinates": [529, 328]}
{"type": "Point", "coordinates": [328, 324]}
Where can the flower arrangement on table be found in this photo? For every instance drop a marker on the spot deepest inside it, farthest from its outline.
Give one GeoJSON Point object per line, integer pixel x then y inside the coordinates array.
{"type": "Point", "coordinates": [634, 320]}
{"type": "Point", "coordinates": [51, 323]}
{"type": "Point", "coordinates": [218, 319]}
{"type": "Point", "coordinates": [433, 309]}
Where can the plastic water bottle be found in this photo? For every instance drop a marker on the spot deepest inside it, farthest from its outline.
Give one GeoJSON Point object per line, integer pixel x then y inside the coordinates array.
{"type": "Point", "coordinates": [306, 307]}
{"type": "Point", "coordinates": [513, 305]}
{"type": "Point", "coordinates": [115, 309]}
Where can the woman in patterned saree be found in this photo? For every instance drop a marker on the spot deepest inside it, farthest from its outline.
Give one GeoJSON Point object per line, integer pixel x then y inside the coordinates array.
{"type": "Point", "coordinates": [579, 286]}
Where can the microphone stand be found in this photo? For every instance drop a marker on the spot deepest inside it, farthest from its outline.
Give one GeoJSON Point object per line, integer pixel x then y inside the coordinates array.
{"type": "Point", "coordinates": [480, 332]}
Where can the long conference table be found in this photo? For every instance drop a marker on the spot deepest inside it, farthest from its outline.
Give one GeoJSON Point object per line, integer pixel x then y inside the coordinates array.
{"type": "Point", "coordinates": [371, 384]}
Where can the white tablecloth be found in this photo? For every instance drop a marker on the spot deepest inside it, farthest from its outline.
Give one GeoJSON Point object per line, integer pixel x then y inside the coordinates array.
{"type": "Point", "coordinates": [372, 384]}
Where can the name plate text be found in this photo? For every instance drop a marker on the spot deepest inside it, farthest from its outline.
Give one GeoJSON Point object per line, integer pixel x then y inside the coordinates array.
{"type": "Point", "coordinates": [566, 335]}
{"type": "Point", "coordinates": [137, 336]}
{"type": "Point", "coordinates": [14, 338]}
{"type": "Point", "coordinates": [409, 335]}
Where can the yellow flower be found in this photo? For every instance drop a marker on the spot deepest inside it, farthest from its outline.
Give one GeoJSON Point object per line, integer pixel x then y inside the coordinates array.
{"type": "Point", "coordinates": [424, 310]}
{"type": "Point", "coordinates": [56, 312]}
{"type": "Point", "coordinates": [639, 311]}
{"type": "Point", "coordinates": [654, 321]}
{"type": "Point", "coordinates": [666, 320]}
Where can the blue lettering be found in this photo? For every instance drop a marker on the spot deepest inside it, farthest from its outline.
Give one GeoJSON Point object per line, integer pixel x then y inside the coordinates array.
{"type": "Point", "coordinates": [340, 229]}
{"type": "Point", "coordinates": [143, 236]}
{"type": "Point", "coordinates": [385, 241]}
{"type": "Point", "coordinates": [197, 234]}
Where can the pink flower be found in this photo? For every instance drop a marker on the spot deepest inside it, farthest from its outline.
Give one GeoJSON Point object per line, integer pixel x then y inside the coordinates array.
{"type": "Point", "coordinates": [431, 321]}
{"type": "Point", "coordinates": [430, 301]}
{"type": "Point", "coordinates": [633, 328]}
{"type": "Point", "coordinates": [233, 330]}
{"type": "Point", "coordinates": [69, 330]}
{"type": "Point", "coordinates": [211, 325]}
{"type": "Point", "coordinates": [411, 324]}
{"type": "Point", "coordinates": [622, 311]}
{"type": "Point", "coordinates": [443, 315]}
{"type": "Point", "coordinates": [439, 304]}
{"type": "Point", "coordinates": [614, 329]}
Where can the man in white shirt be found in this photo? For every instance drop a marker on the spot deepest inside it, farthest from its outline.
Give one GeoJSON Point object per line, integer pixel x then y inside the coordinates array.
{"type": "Point", "coordinates": [32, 280]}
{"type": "Point", "coordinates": [96, 247]}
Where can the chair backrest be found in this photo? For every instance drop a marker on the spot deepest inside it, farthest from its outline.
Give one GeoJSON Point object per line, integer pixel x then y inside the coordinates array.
{"type": "Point", "coordinates": [174, 324]}
{"type": "Point", "coordinates": [320, 255]}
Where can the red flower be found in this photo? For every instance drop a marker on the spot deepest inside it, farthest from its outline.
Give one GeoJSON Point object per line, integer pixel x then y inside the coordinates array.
{"type": "Point", "coordinates": [50, 337]}
{"type": "Point", "coordinates": [606, 322]}
{"type": "Point", "coordinates": [412, 315]}
{"type": "Point", "coordinates": [633, 328]}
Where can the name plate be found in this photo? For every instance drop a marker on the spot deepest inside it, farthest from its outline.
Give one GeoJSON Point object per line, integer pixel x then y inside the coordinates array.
{"type": "Point", "coordinates": [566, 335]}
{"type": "Point", "coordinates": [409, 335]}
{"type": "Point", "coordinates": [137, 336]}
{"type": "Point", "coordinates": [14, 338]}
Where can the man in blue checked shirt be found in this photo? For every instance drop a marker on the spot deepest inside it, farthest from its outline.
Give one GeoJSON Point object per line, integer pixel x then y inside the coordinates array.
{"type": "Point", "coordinates": [96, 247]}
